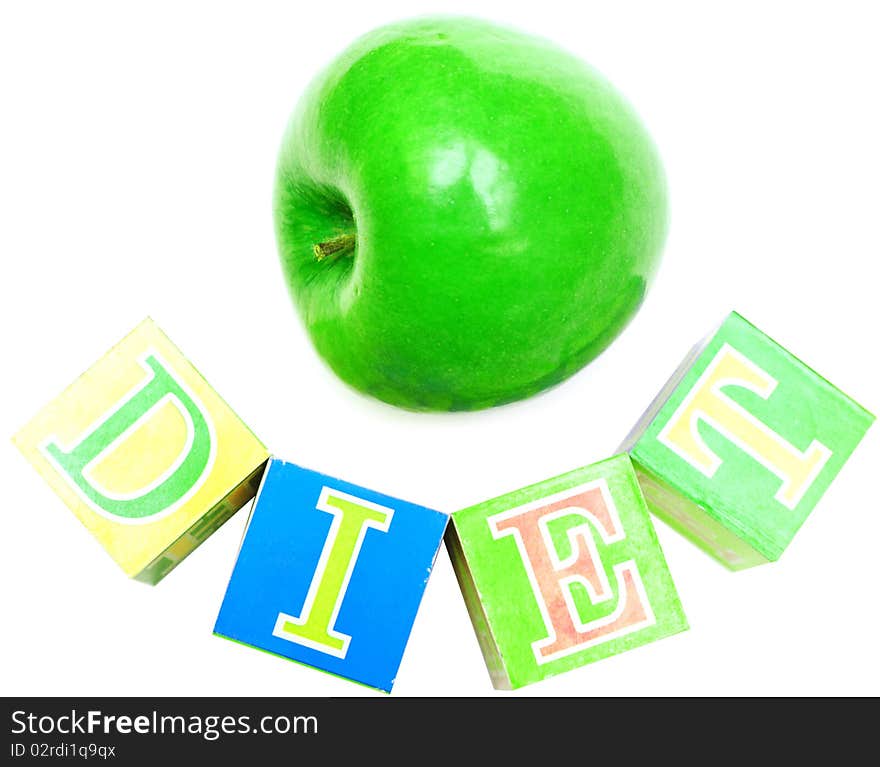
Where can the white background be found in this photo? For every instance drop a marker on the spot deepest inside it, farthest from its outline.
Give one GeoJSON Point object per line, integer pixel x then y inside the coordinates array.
{"type": "Point", "coordinates": [137, 151]}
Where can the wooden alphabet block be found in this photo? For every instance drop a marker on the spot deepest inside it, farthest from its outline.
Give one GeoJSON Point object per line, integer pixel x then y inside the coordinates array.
{"type": "Point", "coordinates": [145, 453]}
{"type": "Point", "coordinates": [741, 443]}
{"type": "Point", "coordinates": [563, 573]}
{"type": "Point", "coordinates": [330, 574]}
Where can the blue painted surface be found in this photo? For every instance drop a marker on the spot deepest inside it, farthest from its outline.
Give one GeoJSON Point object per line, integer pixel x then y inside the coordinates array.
{"type": "Point", "coordinates": [277, 560]}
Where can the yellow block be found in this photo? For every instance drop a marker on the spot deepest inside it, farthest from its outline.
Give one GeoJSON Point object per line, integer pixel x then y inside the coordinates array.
{"type": "Point", "coordinates": [145, 453]}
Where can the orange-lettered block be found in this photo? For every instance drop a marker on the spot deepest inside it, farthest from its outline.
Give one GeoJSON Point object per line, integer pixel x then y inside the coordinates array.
{"type": "Point", "coordinates": [145, 453]}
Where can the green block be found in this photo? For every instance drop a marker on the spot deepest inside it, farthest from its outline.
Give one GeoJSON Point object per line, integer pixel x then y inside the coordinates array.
{"type": "Point", "coordinates": [741, 444]}
{"type": "Point", "coordinates": [563, 573]}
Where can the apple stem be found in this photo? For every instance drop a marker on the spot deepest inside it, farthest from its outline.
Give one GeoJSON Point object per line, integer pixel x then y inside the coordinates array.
{"type": "Point", "coordinates": [343, 245]}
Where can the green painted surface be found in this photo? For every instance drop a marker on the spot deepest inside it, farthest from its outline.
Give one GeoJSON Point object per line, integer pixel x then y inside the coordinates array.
{"type": "Point", "coordinates": [503, 602]}
{"type": "Point", "coordinates": [475, 610]}
{"type": "Point", "coordinates": [693, 522]}
{"type": "Point", "coordinates": [497, 213]}
{"type": "Point", "coordinates": [743, 494]}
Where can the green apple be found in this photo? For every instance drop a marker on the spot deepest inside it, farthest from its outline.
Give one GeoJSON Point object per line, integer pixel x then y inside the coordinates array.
{"type": "Point", "coordinates": [465, 214]}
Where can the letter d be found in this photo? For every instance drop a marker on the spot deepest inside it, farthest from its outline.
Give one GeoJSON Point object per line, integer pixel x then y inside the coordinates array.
{"type": "Point", "coordinates": [167, 491]}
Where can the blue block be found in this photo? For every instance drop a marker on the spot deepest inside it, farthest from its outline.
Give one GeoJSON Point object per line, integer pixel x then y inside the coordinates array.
{"type": "Point", "coordinates": [330, 574]}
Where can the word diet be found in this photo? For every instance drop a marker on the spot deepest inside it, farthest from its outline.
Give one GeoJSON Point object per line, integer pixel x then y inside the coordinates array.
{"type": "Point", "coordinates": [734, 453]}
